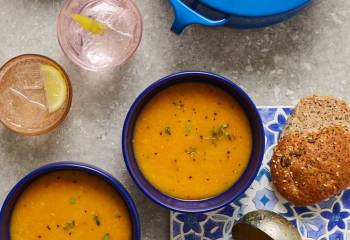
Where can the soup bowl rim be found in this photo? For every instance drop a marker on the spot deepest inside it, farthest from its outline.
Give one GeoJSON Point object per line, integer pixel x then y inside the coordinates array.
{"type": "Point", "coordinates": [25, 182]}
{"type": "Point", "coordinates": [182, 205]}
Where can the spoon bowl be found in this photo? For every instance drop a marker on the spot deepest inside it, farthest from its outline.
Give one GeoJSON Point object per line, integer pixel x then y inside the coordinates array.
{"type": "Point", "coordinates": [264, 225]}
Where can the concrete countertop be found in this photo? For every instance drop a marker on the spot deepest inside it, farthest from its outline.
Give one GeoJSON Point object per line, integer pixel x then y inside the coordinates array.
{"type": "Point", "coordinates": [309, 54]}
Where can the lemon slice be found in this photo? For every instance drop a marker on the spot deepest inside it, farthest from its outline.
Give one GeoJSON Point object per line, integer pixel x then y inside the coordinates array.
{"type": "Point", "coordinates": [89, 24]}
{"type": "Point", "coordinates": [55, 87]}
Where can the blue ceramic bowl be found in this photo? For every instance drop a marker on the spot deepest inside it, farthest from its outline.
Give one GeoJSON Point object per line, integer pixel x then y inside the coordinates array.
{"type": "Point", "coordinates": [195, 205]}
{"type": "Point", "coordinates": [10, 201]}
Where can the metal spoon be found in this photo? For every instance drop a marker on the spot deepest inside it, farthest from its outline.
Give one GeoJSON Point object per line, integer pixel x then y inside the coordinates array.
{"type": "Point", "coordinates": [264, 225]}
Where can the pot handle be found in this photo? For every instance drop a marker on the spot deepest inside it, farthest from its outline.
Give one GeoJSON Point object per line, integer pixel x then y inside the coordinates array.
{"type": "Point", "coordinates": [185, 16]}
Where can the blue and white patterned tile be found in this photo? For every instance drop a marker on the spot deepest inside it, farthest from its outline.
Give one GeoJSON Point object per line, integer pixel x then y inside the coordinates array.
{"type": "Point", "coordinates": [329, 220]}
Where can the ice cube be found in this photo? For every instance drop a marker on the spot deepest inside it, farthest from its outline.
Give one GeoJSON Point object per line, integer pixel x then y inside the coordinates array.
{"type": "Point", "coordinates": [23, 108]}
{"type": "Point", "coordinates": [102, 50]}
{"type": "Point", "coordinates": [116, 17]}
{"type": "Point", "coordinates": [36, 99]}
{"type": "Point", "coordinates": [27, 76]}
{"type": "Point", "coordinates": [106, 12]}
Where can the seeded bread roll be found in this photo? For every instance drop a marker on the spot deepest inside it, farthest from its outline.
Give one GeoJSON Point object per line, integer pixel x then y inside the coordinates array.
{"type": "Point", "coordinates": [308, 168]}
{"type": "Point", "coordinates": [316, 112]}
{"type": "Point", "coordinates": [312, 160]}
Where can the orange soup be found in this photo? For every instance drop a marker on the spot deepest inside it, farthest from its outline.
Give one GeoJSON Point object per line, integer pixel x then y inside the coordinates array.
{"type": "Point", "coordinates": [192, 141]}
{"type": "Point", "coordinates": [70, 205]}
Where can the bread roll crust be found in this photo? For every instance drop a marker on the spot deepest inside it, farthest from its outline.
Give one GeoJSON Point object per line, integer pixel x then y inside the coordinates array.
{"type": "Point", "coordinates": [308, 167]}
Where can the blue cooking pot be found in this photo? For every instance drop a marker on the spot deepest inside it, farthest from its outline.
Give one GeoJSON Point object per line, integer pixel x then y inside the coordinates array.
{"type": "Point", "coordinates": [233, 13]}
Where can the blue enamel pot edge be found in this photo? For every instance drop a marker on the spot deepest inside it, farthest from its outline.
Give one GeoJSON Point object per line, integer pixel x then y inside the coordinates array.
{"type": "Point", "coordinates": [232, 193]}
{"type": "Point", "coordinates": [16, 191]}
{"type": "Point", "coordinates": [242, 15]}
{"type": "Point", "coordinates": [254, 8]}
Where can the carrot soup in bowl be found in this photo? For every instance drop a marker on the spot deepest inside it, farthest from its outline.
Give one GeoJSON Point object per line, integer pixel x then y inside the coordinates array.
{"type": "Point", "coordinates": [193, 141]}
{"type": "Point", "coordinates": [69, 201]}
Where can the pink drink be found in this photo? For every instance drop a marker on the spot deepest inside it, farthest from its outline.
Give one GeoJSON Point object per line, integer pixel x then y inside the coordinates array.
{"type": "Point", "coordinates": [23, 106]}
{"type": "Point", "coordinates": [100, 51]}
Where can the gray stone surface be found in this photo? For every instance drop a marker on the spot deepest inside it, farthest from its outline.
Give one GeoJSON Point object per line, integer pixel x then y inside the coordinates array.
{"type": "Point", "coordinates": [309, 54]}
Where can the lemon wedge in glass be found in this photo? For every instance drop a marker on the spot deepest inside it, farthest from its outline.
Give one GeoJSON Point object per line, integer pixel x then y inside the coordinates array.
{"type": "Point", "coordinates": [89, 24]}
{"type": "Point", "coordinates": [55, 87]}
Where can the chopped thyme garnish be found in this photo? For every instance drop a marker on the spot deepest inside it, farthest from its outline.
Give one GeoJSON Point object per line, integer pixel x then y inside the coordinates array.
{"type": "Point", "coordinates": [106, 236]}
{"type": "Point", "coordinates": [191, 151]}
{"type": "Point", "coordinates": [229, 136]}
{"type": "Point", "coordinates": [73, 201]}
{"type": "Point", "coordinates": [188, 130]}
{"type": "Point", "coordinates": [69, 225]}
{"type": "Point", "coordinates": [219, 132]}
{"type": "Point", "coordinates": [215, 133]}
{"type": "Point", "coordinates": [167, 130]}
{"type": "Point", "coordinates": [97, 220]}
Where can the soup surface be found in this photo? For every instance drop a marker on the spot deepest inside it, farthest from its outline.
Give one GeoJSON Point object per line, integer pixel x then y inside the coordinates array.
{"type": "Point", "coordinates": [70, 205]}
{"type": "Point", "coordinates": [192, 141]}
